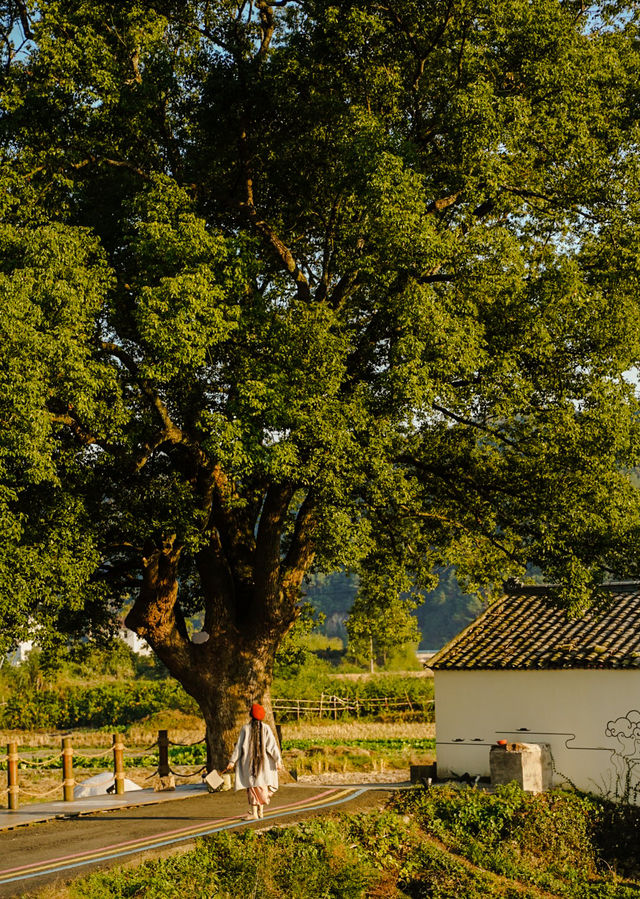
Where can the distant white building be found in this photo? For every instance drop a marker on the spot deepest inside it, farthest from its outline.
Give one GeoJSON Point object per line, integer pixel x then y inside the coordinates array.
{"type": "Point", "coordinates": [134, 642]}
{"type": "Point", "coordinates": [524, 672]}
{"type": "Point", "coordinates": [20, 653]}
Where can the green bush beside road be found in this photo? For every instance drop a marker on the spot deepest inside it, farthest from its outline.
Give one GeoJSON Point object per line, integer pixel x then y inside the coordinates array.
{"type": "Point", "coordinates": [441, 843]}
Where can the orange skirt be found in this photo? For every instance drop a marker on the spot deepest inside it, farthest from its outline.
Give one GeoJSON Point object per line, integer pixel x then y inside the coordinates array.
{"type": "Point", "coordinates": [258, 795]}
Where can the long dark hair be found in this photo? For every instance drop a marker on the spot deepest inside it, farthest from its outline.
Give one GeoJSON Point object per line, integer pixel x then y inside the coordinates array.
{"type": "Point", "coordinates": [256, 747]}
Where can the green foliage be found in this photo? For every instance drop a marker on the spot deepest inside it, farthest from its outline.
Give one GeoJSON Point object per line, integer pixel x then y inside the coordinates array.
{"type": "Point", "coordinates": [304, 285]}
{"type": "Point", "coordinates": [310, 683]}
{"type": "Point", "coordinates": [546, 839]}
{"type": "Point", "coordinates": [106, 706]}
{"type": "Point", "coordinates": [445, 611]}
{"type": "Point", "coordinates": [389, 743]}
{"type": "Point", "coordinates": [376, 630]}
{"type": "Point", "coordinates": [293, 651]}
{"type": "Point", "coordinates": [440, 613]}
{"type": "Point", "coordinates": [404, 658]}
{"type": "Point", "coordinates": [332, 595]}
{"type": "Point", "coordinates": [309, 861]}
{"type": "Point", "coordinates": [62, 698]}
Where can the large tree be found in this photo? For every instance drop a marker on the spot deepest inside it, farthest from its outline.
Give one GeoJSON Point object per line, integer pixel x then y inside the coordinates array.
{"type": "Point", "coordinates": [305, 284]}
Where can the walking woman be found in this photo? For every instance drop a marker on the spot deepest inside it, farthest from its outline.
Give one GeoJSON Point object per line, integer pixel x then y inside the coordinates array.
{"type": "Point", "coordinates": [256, 759]}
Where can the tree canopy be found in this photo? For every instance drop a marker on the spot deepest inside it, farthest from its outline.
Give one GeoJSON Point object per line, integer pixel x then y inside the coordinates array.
{"type": "Point", "coordinates": [307, 284]}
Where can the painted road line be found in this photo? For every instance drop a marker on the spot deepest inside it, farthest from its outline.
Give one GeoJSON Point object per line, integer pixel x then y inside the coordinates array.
{"type": "Point", "coordinates": [190, 830]}
{"type": "Point", "coordinates": [159, 840]}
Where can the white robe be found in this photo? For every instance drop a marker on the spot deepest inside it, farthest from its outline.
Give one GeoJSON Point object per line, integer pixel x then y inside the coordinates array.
{"type": "Point", "coordinates": [241, 758]}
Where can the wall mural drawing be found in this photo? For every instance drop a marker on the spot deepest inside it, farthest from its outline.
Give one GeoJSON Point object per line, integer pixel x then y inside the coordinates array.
{"type": "Point", "coordinates": [625, 756]}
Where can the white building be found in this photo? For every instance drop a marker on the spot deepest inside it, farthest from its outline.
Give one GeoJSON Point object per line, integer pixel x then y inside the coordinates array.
{"type": "Point", "coordinates": [20, 653]}
{"type": "Point", "coordinates": [134, 642]}
{"type": "Point", "coordinates": [524, 672]}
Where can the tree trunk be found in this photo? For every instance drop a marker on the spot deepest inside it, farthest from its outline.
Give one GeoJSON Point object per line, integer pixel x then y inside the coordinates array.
{"type": "Point", "coordinates": [234, 667]}
{"type": "Point", "coordinates": [229, 680]}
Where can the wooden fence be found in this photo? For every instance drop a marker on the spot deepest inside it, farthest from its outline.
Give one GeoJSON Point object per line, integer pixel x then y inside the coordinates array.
{"type": "Point", "coordinates": [327, 705]}
{"type": "Point", "coordinates": [67, 755]}
{"type": "Point", "coordinates": [333, 706]}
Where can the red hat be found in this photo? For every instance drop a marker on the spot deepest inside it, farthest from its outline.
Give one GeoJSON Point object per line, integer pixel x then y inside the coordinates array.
{"type": "Point", "coordinates": [257, 711]}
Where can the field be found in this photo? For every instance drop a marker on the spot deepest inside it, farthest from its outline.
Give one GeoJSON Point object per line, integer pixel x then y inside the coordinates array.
{"type": "Point", "coordinates": [442, 843]}
{"type": "Point", "coordinates": [365, 749]}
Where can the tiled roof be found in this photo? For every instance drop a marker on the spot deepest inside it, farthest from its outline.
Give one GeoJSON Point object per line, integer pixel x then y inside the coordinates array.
{"type": "Point", "coordinates": [525, 631]}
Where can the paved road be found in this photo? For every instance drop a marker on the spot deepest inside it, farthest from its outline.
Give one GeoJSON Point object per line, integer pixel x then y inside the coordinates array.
{"type": "Point", "coordinates": [58, 851]}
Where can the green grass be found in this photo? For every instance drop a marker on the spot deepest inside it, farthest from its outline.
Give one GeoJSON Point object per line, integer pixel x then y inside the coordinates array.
{"type": "Point", "coordinates": [443, 843]}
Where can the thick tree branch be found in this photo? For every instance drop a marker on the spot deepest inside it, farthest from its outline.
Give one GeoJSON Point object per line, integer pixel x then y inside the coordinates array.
{"type": "Point", "coordinates": [270, 527]}
{"type": "Point", "coordinates": [267, 27]}
{"type": "Point", "coordinates": [156, 615]}
{"type": "Point", "coordinates": [114, 349]}
{"type": "Point", "coordinates": [117, 163]}
{"type": "Point", "coordinates": [282, 251]}
{"type": "Point", "coordinates": [218, 587]}
{"type": "Point", "coordinates": [65, 418]}
{"type": "Point", "coordinates": [302, 550]}
{"type": "Point", "coordinates": [323, 286]}
{"type": "Point", "coordinates": [343, 289]}
{"type": "Point", "coordinates": [444, 202]}
{"type": "Point", "coordinates": [237, 540]}
{"type": "Point", "coordinates": [24, 18]}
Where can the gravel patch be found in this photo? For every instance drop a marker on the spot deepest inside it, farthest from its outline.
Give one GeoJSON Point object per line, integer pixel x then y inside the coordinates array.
{"type": "Point", "coordinates": [401, 775]}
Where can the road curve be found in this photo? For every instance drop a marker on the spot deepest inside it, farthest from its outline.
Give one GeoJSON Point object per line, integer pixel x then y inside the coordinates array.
{"type": "Point", "coordinates": [40, 854]}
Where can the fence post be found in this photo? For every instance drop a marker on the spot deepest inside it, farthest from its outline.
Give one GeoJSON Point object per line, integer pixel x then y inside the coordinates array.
{"type": "Point", "coordinates": [118, 763]}
{"type": "Point", "coordinates": [68, 782]}
{"type": "Point", "coordinates": [298, 710]}
{"type": "Point", "coordinates": [163, 753]}
{"type": "Point", "coordinates": [321, 701]}
{"type": "Point", "coordinates": [335, 708]}
{"type": "Point", "coordinates": [12, 776]}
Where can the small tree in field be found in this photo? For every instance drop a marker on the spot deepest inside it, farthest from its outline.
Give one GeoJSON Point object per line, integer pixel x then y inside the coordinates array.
{"type": "Point", "coordinates": [304, 284]}
{"type": "Point", "coordinates": [376, 631]}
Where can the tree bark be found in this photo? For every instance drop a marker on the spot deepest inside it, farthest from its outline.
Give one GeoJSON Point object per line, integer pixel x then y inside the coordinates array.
{"type": "Point", "coordinates": [233, 668]}
{"type": "Point", "coordinates": [225, 691]}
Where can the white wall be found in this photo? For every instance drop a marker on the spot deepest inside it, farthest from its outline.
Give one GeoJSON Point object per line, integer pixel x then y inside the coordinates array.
{"type": "Point", "coordinates": [590, 718]}
{"type": "Point", "coordinates": [134, 642]}
{"type": "Point", "coordinates": [21, 653]}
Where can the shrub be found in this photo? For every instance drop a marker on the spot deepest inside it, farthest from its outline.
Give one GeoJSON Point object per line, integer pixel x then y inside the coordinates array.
{"type": "Point", "coordinates": [546, 838]}
{"type": "Point", "coordinates": [105, 706]}
{"type": "Point", "coordinates": [394, 854]}
{"type": "Point", "coordinates": [410, 696]}
{"type": "Point", "coordinates": [309, 861]}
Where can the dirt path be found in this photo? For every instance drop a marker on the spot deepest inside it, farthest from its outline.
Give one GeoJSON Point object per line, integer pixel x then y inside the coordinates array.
{"type": "Point", "coordinates": [526, 889]}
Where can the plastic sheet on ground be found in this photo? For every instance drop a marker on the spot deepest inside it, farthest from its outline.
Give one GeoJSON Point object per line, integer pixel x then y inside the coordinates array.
{"type": "Point", "coordinates": [99, 784]}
